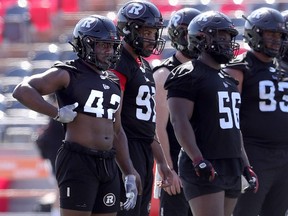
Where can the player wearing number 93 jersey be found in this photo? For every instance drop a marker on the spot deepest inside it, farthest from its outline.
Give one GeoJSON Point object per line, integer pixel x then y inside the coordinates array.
{"type": "Point", "coordinates": [264, 112]}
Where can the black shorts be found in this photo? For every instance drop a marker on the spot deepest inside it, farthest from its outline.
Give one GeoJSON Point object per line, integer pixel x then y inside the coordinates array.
{"type": "Point", "coordinates": [174, 205]}
{"type": "Point", "coordinates": [88, 180]}
{"type": "Point", "coordinates": [228, 179]}
{"type": "Point", "coordinates": [142, 157]}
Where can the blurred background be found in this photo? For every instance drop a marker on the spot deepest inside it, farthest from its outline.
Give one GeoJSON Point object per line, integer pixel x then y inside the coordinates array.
{"type": "Point", "coordinates": [33, 35]}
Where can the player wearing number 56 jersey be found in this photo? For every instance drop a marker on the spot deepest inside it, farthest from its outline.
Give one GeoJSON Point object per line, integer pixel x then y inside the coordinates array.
{"type": "Point", "coordinates": [89, 97]}
{"type": "Point", "coordinates": [140, 23]}
{"type": "Point", "coordinates": [204, 107]}
{"type": "Point", "coordinates": [264, 112]}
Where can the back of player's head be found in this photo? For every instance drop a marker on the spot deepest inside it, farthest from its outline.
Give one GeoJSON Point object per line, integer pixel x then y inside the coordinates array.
{"type": "Point", "coordinates": [205, 31]}
{"type": "Point", "coordinates": [135, 15]}
{"type": "Point", "coordinates": [178, 33]}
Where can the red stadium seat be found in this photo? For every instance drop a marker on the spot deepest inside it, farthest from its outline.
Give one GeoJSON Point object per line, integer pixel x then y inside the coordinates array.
{"type": "Point", "coordinates": [69, 5]}
{"type": "Point", "coordinates": [40, 16]}
{"type": "Point", "coordinates": [52, 4]}
{"type": "Point", "coordinates": [4, 184]}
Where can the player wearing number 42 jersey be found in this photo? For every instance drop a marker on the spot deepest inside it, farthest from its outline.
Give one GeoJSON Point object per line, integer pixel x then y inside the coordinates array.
{"type": "Point", "coordinates": [89, 98]}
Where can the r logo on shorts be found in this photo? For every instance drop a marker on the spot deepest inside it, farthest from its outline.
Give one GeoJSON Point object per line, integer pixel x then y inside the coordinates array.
{"type": "Point", "coordinates": [109, 199]}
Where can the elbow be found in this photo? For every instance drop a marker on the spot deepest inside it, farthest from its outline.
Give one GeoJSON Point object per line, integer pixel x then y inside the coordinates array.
{"type": "Point", "coordinates": [20, 91]}
{"type": "Point", "coordinates": [17, 92]}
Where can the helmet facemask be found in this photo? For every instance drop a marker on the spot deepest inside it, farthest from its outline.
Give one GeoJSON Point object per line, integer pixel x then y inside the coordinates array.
{"type": "Point", "coordinates": [258, 43]}
{"type": "Point", "coordinates": [259, 22]}
{"type": "Point", "coordinates": [221, 51]}
{"type": "Point", "coordinates": [134, 39]}
{"type": "Point", "coordinates": [91, 53]}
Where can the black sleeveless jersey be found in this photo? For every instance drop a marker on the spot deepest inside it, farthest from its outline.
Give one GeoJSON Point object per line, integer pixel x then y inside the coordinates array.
{"type": "Point", "coordinates": [264, 108]}
{"type": "Point", "coordinates": [170, 64]}
{"type": "Point", "coordinates": [216, 107]}
{"type": "Point", "coordinates": [97, 95]}
{"type": "Point", "coordinates": [138, 106]}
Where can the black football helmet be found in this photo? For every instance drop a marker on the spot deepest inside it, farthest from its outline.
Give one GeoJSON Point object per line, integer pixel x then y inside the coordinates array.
{"type": "Point", "coordinates": [285, 15]}
{"type": "Point", "coordinates": [91, 30]}
{"type": "Point", "coordinates": [203, 35]}
{"type": "Point", "coordinates": [134, 15]}
{"type": "Point", "coordinates": [264, 19]}
{"type": "Point", "coordinates": [177, 31]}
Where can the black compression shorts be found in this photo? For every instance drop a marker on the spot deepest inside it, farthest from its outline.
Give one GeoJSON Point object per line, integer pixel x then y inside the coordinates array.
{"type": "Point", "coordinates": [88, 180]}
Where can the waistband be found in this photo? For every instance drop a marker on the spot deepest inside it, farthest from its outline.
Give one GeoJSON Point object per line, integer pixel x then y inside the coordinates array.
{"type": "Point", "coordinates": [75, 147]}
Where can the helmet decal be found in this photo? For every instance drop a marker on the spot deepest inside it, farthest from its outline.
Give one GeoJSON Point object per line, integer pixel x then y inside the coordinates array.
{"type": "Point", "coordinates": [258, 14]}
{"type": "Point", "coordinates": [177, 30]}
{"type": "Point", "coordinates": [176, 20]}
{"type": "Point", "coordinates": [135, 10]}
{"type": "Point", "coordinates": [87, 24]}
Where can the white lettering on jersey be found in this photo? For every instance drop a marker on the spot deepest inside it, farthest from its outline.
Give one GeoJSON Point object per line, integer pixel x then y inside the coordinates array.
{"type": "Point", "coordinates": [229, 106]}
{"type": "Point", "coordinates": [268, 102]}
{"type": "Point", "coordinates": [96, 95]}
{"type": "Point", "coordinates": [144, 101]}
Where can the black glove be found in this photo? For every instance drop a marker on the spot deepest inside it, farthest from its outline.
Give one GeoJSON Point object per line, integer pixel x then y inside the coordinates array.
{"type": "Point", "coordinates": [204, 170]}
{"type": "Point", "coordinates": [251, 178]}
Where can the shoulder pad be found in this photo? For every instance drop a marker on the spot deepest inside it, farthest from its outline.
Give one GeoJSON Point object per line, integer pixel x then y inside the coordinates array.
{"type": "Point", "coordinates": [182, 70]}
{"type": "Point", "coordinates": [165, 64]}
{"type": "Point", "coordinates": [240, 63]}
{"type": "Point", "coordinates": [63, 65]}
{"type": "Point", "coordinates": [113, 77]}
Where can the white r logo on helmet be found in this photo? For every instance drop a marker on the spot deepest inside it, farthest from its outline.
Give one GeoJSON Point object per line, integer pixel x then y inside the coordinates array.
{"type": "Point", "coordinates": [135, 9]}
{"type": "Point", "coordinates": [87, 22]}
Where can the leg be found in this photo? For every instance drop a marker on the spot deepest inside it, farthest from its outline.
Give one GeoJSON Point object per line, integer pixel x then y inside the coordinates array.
{"type": "Point", "coordinates": [208, 205]}
{"type": "Point", "coordinates": [105, 214]}
{"type": "Point", "coordinates": [142, 158]}
{"type": "Point", "coordinates": [249, 203]}
{"type": "Point", "coordinates": [68, 212]}
{"type": "Point", "coordinates": [175, 205]}
{"type": "Point", "coordinates": [276, 202]}
{"type": "Point", "coordinates": [229, 205]}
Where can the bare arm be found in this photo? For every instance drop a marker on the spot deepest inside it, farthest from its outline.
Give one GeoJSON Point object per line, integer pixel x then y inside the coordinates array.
{"type": "Point", "coordinates": [30, 91]}
{"type": "Point", "coordinates": [162, 116]}
{"type": "Point", "coordinates": [122, 152]}
{"type": "Point", "coordinates": [181, 111]}
{"type": "Point", "coordinates": [164, 170]}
